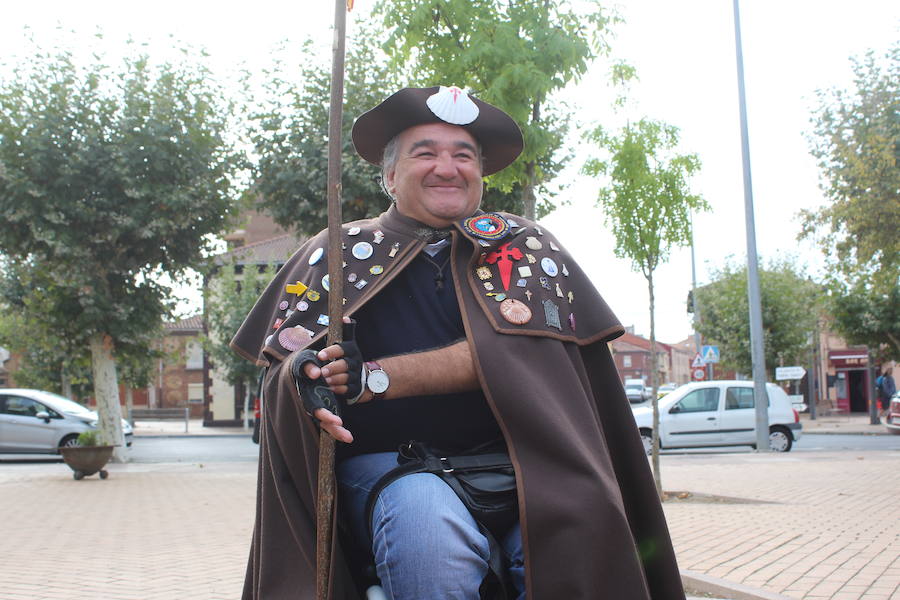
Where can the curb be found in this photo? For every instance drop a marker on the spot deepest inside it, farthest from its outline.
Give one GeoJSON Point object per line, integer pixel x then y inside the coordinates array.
{"type": "Point", "coordinates": [704, 584]}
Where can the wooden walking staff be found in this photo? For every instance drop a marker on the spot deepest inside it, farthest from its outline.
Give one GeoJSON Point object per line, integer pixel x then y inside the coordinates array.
{"type": "Point", "coordinates": [325, 498]}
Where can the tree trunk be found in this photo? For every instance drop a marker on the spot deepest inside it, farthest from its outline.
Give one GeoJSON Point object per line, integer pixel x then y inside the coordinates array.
{"type": "Point", "coordinates": [247, 406]}
{"type": "Point", "coordinates": [654, 367]}
{"type": "Point", "coordinates": [129, 403]}
{"type": "Point", "coordinates": [66, 384]}
{"type": "Point", "coordinates": [528, 200]}
{"type": "Point", "coordinates": [106, 392]}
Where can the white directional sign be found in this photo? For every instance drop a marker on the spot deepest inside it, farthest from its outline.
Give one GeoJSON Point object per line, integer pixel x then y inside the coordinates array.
{"type": "Point", "coordinates": [785, 373]}
{"type": "Point", "coordinates": [710, 354]}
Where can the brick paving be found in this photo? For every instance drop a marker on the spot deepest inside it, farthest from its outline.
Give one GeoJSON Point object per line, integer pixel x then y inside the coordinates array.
{"type": "Point", "coordinates": [820, 526]}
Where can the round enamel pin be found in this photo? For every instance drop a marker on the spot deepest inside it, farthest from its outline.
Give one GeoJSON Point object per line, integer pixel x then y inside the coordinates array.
{"type": "Point", "coordinates": [283, 305]}
{"type": "Point", "coordinates": [549, 266]}
{"type": "Point", "coordinates": [326, 283]}
{"type": "Point", "coordinates": [313, 295]}
{"type": "Point", "coordinates": [316, 256]}
{"type": "Point", "coordinates": [489, 226]}
{"type": "Point", "coordinates": [353, 231]}
{"type": "Point", "coordinates": [515, 311]}
{"type": "Point", "coordinates": [362, 250]}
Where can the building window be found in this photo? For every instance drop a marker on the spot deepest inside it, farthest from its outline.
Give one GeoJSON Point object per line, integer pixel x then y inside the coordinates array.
{"type": "Point", "coordinates": [195, 393]}
{"type": "Point", "coordinates": [626, 361]}
{"type": "Point", "coordinates": [193, 353]}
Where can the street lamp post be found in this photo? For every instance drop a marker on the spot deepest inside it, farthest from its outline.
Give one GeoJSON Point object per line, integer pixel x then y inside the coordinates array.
{"type": "Point", "coordinates": [757, 349]}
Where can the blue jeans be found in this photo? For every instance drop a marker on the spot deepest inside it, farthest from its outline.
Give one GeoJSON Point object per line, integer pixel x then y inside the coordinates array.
{"type": "Point", "coordinates": [426, 544]}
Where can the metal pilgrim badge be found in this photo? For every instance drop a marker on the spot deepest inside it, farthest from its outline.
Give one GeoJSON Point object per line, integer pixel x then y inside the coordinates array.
{"type": "Point", "coordinates": [489, 226]}
{"type": "Point", "coordinates": [551, 313]}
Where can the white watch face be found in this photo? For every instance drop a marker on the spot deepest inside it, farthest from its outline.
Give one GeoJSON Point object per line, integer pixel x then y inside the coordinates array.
{"type": "Point", "coordinates": [378, 381]}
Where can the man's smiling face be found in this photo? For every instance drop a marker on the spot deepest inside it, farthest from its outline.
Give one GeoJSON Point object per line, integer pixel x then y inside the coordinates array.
{"type": "Point", "coordinates": [437, 176]}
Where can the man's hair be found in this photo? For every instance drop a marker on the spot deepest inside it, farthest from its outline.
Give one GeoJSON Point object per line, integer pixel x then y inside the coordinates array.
{"type": "Point", "coordinates": [392, 153]}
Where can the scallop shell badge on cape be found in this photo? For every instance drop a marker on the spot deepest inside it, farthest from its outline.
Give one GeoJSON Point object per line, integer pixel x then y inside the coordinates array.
{"type": "Point", "coordinates": [452, 105]}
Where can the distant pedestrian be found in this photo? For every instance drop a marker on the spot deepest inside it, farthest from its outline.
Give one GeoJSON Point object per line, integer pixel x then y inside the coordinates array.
{"type": "Point", "coordinates": [886, 388]}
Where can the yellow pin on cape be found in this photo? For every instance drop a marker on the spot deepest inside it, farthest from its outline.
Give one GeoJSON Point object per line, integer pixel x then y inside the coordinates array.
{"type": "Point", "coordinates": [296, 288]}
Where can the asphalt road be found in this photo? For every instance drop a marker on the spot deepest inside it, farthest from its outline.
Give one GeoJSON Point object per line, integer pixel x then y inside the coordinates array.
{"type": "Point", "coordinates": [209, 449]}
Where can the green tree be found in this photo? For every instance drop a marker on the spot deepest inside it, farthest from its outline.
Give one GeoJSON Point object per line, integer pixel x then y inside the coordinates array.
{"type": "Point", "coordinates": [856, 140]}
{"type": "Point", "coordinates": [289, 131]}
{"type": "Point", "coordinates": [110, 177]}
{"type": "Point", "coordinates": [648, 207]}
{"type": "Point", "coordinates": [515, 55]}
{"type": "Point", "coordinates": [791, 303]}
{"type": "Point", "coordinates": [230, 294]}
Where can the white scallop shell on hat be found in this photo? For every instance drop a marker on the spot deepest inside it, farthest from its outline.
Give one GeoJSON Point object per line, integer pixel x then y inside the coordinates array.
{"type": "Point", "coordinates": [452, 105]}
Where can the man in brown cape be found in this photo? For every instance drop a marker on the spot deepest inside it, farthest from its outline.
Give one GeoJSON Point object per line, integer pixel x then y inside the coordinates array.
{"type": "Point", "coordinates": [472, 326]}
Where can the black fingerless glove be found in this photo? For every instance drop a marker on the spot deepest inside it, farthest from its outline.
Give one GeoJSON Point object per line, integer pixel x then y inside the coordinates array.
{"type": "Point", "coordinates": [356, 368]}
{"type": "Point", "coordinates": [314, 393]}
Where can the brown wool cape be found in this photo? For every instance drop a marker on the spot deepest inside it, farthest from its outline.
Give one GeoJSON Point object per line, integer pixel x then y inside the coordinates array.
{"type": "Point", "coordinates": [592, 524]}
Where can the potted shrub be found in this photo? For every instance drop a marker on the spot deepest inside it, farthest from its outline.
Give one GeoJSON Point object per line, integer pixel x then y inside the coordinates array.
{"type": "Point", "coordinates": [88, 456]}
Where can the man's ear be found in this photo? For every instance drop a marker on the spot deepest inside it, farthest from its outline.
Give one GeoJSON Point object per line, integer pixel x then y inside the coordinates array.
{"type": "Point", "coordinates": [389, 181]}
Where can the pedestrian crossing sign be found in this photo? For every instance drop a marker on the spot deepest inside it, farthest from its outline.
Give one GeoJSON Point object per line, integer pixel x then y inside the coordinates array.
{"type": "Point", "coordinates": [710, 354]}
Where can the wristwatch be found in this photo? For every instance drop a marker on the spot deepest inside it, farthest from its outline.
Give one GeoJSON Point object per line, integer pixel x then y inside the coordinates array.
{"type": "Point", "coordinates": [377, 380]}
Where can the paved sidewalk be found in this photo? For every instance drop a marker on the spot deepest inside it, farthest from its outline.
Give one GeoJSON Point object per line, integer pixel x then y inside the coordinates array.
{"type": "Point", "coordinates": [853, 423]}
{"type": "Point", "coordinates": [767, 525]}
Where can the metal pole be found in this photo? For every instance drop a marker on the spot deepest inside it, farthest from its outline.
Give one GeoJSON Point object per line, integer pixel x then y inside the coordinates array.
{"type": "Point", "coordinates": [696, 300]}
{"type": "Point", "coordinates": [757, 349]}
{"type": "Point", "coordinates": [873, 393]}
{"type": "Point", "coordinates": [325, 494]}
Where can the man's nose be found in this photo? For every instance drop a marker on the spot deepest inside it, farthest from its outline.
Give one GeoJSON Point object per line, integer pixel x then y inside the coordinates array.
{"type": "Point", "coordinates": [445, 165]}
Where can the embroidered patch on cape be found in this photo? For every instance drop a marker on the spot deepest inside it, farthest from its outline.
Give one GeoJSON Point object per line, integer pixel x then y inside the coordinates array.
{"type": "Point", "coordinates": [489, 226]}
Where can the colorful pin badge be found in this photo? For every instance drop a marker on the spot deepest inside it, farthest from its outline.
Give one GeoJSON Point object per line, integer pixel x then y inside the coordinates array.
{"type": "Point", "coordinates": [379, 236]}
{"type": "Point", "coordinates": [326, 283]}
{"type": "Point", "coordinates": [572, 321]}
{"type": "Point", "coordinates": [515, 311]}
{"type": "Point", "coordinates": [521, 283]}
{"type": "Point", "coordinates": [554, 247]}
{"type": "Point", "coordinates": [551, 314]}
{"type": "Point", "coordinates": [353, 231]}
{"type": "Point", "coordinates": [483, 273]}
{"type": "Point", "coordinates": [313, 296]}
{"type": "Point", "coordinates": [395, 247]}
{"type": "Point", "coordinates": [360, 284]}
{"type": "Point", "coordinates": [500, 297]}
{"type": "Point", "coordinates": [316, 256]}
{"type": "Point", "coordinates": [559, 291]}
{"type": "Point", "coordinates": [525, 271]}
{"type": "Point", "coordinates": [489, 286]}
{"type": "Point", "coordinates": [545, 283]}
{"type": "Point", "coordinates": [323, 320]}
{"type": "Point", "coordinates": [376, 270]}
{"type": "Point", "coordinates": [503, 257]}
{"type": "Point", "coordinates": [533, 243]}
{"type": "Point", "coordinates": [283, 305]}
{"type": "Point", "coordinates": [296, 288]}
{"type": "Point", "coordinates": [303, 306]}
{"type": "Point", "coordinates": [489, 226]}
{"type": "Point", "coordinates": [351, 277]}
{"type": "Point", "coordinates": [362, 250]}
{"type": "Point", "coordinates": [565, 271]}
{"type": "Point", "coordinates": [278, 323]}
{"type": "Point", "coordinates": [531, 259]}
{"type": "Point", "coordinates": [549, 266]}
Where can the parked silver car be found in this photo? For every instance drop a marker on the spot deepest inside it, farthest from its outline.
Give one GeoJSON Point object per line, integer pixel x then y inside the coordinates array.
{"type": "Point", "coordinates": [34, 421]}
{"type": "Point", "coordinates": [718, 413]}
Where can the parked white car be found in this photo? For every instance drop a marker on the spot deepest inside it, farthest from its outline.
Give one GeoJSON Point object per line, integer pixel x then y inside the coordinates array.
{"type": "Point", "coordinates": [636, 391]}
{"type": "Point", "coordinates": [718, 413]}
{"type": "Point", "coordinates": [34, 421]}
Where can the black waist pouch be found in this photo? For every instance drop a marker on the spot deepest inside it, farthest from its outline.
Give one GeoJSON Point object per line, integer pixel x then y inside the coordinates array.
{"type": "Point", "coordinates": [483, 478]}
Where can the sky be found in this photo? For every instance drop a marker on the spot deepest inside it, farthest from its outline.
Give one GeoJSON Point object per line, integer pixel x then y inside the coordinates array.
{"type": "Point", "coordinates": [684, 53]}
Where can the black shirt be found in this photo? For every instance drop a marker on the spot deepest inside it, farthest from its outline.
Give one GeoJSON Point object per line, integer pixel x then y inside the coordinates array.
{"type": "Point", "coordinates": [417, 311]}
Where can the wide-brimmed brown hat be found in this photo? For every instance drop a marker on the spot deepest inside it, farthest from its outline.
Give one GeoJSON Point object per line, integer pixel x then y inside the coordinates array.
{"type": "Point", "coordinates": [499, 136]}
